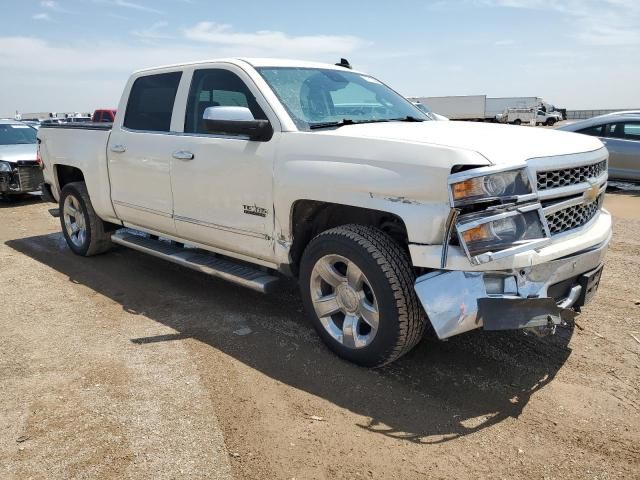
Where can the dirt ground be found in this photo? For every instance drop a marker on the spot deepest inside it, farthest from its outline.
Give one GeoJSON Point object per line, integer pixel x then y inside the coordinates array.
{"type": "Point", "coordinates": [125, 366]}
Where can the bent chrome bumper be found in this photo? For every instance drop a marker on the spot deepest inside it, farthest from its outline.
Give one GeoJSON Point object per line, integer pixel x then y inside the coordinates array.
{"type": "Point", "coordinates": [534, 296]}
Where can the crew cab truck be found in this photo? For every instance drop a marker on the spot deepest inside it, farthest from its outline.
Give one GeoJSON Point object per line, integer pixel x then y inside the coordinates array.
{"type": "Point", "coordinates": [250, 169]}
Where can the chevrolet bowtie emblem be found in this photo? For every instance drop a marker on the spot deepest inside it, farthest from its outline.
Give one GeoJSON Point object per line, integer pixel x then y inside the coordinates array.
{"type": "Point", "coordinates": [591, 193]}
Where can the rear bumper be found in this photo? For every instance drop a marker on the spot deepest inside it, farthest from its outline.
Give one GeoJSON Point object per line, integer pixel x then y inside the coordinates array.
{"type": "Point", "coordinates": [533, 296]}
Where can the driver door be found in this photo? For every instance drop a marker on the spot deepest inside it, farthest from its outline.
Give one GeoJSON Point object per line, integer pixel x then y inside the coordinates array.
{"type": "Point", "coordinates": [223, 185]}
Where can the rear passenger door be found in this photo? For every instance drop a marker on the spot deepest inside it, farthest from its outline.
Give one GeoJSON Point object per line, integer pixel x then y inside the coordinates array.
{"type": "Point", "coordinates": [139, 154]}
{"type": "Point", "coordinates": [623, 142]}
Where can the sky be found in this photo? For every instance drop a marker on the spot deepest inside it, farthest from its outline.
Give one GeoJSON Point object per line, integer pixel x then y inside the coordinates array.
{"type": "Point", "coordinates": [76, 55]}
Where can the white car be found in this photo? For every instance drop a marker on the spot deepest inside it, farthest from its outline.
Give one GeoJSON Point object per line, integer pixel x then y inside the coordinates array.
{"type": "Point", "coordinates": [250, 169]}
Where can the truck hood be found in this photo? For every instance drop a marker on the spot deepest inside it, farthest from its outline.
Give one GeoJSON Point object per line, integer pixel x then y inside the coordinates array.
{"type": "Point", "coordinates": [14, 153]}
{"type": "Point", "coordinates": [499, 144]}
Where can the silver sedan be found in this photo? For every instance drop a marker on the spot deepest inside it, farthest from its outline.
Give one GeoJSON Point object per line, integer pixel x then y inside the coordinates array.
{"type": "Point", "coordinates": [20, 170]}
{"type": "Point", "coordinates": [620, 132]}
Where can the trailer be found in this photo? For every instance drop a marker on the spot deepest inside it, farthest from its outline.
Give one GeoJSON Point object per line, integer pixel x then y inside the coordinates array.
{"type": "Point", "coordinates": [467, 107]}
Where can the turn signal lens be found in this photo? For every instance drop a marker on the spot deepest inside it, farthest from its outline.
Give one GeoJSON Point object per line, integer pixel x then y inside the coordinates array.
{"type": "Point", "coordinates": [466, 189]}
{"type": "Point", "coordinates": [477, 234]}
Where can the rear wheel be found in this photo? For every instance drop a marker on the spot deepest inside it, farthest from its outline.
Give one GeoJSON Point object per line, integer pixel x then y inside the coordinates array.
{"type": "Point", "coordinates": [357, 286]}
{"type": "Point", "coordinates": [85, 233]}
{"type": "Point", "coordinates": [517, 121]}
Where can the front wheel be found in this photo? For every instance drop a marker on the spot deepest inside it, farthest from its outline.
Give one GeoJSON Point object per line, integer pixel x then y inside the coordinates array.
{"type": "Point", "coordinates": [357, 286]}
{"type": "Point", "coordinates": [551, 122]}
{"type": "Point", "coordinates": [84, 231]}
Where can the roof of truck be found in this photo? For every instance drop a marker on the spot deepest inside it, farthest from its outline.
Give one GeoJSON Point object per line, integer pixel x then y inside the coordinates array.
{"type": "Point", "coordinates": [254, 62]}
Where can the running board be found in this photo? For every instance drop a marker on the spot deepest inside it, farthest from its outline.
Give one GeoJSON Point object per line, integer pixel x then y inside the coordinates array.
{"type": "Point", "coordinates": [200, 260]}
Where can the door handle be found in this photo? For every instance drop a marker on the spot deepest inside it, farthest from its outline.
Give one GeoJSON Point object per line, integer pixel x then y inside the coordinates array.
{"type": "Point", "coordinates": [183, 155]}
{"type": "Point", "coordinates": [118, 148]}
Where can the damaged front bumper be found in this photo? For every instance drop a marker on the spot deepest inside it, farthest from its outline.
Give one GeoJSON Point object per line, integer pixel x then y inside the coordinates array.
{"type": "Point", "coordinates": [528, 297]}
{"type": "Point", "coordinates": [24, 177]}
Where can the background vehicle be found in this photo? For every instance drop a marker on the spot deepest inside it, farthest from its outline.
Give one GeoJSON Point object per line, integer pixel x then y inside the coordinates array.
{"type": "Point", "coordinates": [429, 113]}
{"type": "Point", "coordinates": [469, 107]}
{"type": "Point", "coordinates": [50, 121]}
{"type": "Point", "coordinates": [103, 115]}
{"type": "Point", "coordinates": [524, 116]}
{"type": "Point", "coordinates": [483, 108]}
{"type": "Point", "coordinates": [19, 169]}
{"type": "Point", "coordinates": [32, 123]}
{"type": "Point", "coordinates": [382, 215]}
{"type": "Point", "coordinates": [76, 120]}
{"type": "Point", "coordinates": [620, 132]}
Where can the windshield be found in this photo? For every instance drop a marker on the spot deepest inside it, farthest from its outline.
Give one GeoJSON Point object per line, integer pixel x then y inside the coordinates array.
{"type": "Point", "coordinates": [16, 134]}
{"type": "Point", "coordinates": [315, 96]}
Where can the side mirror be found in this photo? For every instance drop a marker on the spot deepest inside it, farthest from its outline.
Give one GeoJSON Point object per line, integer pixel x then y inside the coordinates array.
{"type": "Point", "coordinates": [236, 121]}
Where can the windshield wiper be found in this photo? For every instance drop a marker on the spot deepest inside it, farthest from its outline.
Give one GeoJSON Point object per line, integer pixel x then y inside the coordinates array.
{"type": "Point", "coordinates": [343, 122]}
{"type": "Point", "coordinates": [408, 118]}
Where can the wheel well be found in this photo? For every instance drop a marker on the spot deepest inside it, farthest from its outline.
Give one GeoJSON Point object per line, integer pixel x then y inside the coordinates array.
{"type": "Point", "coordinates": [310, 217]}
{"type": "Point", "coordinates": [66, 174]}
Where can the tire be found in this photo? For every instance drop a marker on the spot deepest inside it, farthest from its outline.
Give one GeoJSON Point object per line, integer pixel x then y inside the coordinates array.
{"type": "Point", "coordinates": [550, 122]}
{"type": "Point", "coordinates": [387, 281]}
{"type": "Point", "coordinates": [517, 121]}
{"type": "Point", "coordinates": [91, 236]}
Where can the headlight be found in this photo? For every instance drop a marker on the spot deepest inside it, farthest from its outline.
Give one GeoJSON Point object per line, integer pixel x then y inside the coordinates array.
{"type": "Point", "coordinates": [488, 235]}
{"type": "Point", "coordinates": [5, 167]}
{"type": "Point", "coordinates": [501, 186]}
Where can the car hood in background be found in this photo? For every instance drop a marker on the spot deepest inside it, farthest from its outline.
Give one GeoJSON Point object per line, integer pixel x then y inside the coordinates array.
{"type": "Point", "coordinates": [499, 144]}
{"type": "Point", "coordinates": [14, 153]}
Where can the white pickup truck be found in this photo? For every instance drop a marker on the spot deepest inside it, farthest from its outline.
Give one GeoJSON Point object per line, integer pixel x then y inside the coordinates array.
{"type": "Point", "coordinates": [250, 169]}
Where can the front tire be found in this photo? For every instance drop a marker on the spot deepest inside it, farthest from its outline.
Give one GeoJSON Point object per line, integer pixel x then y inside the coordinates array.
{"type": "Point", "coordinates": [551, 122]}
{"type": "Point", "coordinates": [357, 287]}
{"type": "Point", "coordinates": [84, 231]}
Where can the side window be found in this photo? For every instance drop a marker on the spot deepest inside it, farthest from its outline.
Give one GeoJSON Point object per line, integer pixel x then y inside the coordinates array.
{"type": "Point", "coordinates": [626, 131]}
{"type": "Point", "coordinates": [596, 131]}
{"type": "Point", "coordinates": [217, 88]}
{"type": "Point", "coordinates": [151, 102]}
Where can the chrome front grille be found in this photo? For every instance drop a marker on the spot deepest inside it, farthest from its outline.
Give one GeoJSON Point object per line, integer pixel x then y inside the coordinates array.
{"type": "Point", "coordinates": [573, 217]}
{"type": "Point", "coordinates": [570, 176]}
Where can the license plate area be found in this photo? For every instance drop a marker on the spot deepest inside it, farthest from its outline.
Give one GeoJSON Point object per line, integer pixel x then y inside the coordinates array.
{"type": "Point", "coordinates": [589, 282]}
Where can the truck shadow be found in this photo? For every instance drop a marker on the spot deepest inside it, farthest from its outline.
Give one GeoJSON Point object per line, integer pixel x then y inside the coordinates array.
{"type": "Point", "coordinates": [438, 392]}
{"type": "Point", "coordinates": [12, 201]}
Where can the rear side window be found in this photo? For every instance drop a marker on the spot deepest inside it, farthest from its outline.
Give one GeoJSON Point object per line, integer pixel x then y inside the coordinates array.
{"type": "Point", "coordinates": [596, 131]}
{"type": "Point", "coordinates": [627, 131]}
{"type": "Point", "coordinates": [151, 102]}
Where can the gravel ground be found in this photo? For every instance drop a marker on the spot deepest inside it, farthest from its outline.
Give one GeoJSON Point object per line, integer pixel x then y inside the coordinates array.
{"type": "Point", "coordinates": [125, 366]}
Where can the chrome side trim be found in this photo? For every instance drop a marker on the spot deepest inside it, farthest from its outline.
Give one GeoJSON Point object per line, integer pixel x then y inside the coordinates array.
{"type": "Point", "coordinates": [183, 134]}
{"type": "Point", "coordinates": [202, 223]}
{"type": "Point", "coordinates": [142, 209]}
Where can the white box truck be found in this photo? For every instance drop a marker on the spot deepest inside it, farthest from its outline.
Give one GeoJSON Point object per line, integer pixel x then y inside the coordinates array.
{"type": "Point", "coordinates": [466, 107]}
